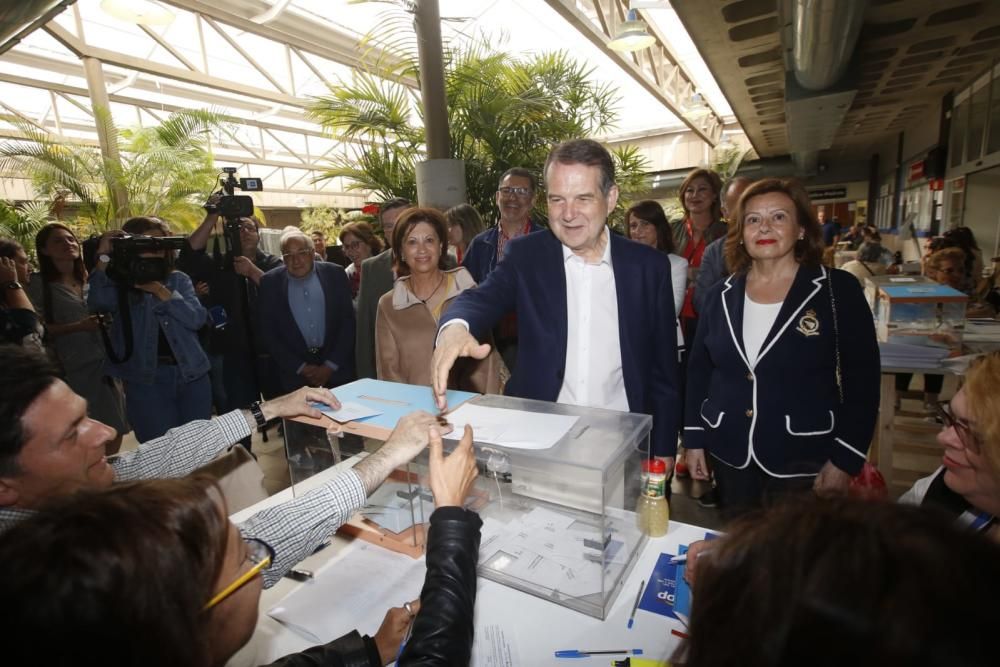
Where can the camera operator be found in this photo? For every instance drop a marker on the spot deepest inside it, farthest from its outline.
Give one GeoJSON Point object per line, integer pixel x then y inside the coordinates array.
{"type": "Point", "coordinates": [247, 371]}
{"type": "Point", "coordinates": [166, 375]}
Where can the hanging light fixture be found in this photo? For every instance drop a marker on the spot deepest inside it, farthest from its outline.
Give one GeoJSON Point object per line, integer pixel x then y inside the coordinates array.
{"type": "Point", "coordinates": [142, 12]}
{"type": "Point", "coordinates": [632, 34]}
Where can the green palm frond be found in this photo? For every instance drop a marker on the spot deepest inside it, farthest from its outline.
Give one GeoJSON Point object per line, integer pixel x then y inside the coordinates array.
{"type": "Point", "coordinates": [160, 170]}
{"type": "Point", "coordinates": [503, 111]}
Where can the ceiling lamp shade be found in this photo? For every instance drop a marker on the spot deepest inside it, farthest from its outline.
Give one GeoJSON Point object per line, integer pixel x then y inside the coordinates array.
{"type": "Point", "coordinates": [142, 12]}
{"type": "Point", "coordinates": [632, 35]}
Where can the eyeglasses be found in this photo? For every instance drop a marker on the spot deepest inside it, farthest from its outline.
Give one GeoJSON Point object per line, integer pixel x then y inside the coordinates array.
{"type": "Point", "coordinates": [520, 192]}
{"type": "Point", "coordinates": [248, 227]}
{"type": "Point", "coordinates": [353, 246]}
{"type": "Point", "coordinates": [964, 430]}
{"type": "Point", "coordinates": [636, 224]}
{"type": "Point", "coordinates": [260, 555]}
{"type": "Point", "coordinates": [288, 256]}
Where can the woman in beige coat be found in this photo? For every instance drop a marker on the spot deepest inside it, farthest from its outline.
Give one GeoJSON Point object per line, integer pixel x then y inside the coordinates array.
{"type": "Point", "coordinates": [408, 316]}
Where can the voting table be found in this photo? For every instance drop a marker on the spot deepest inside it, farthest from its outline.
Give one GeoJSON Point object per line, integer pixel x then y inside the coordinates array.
{"type": "Point", "coordinates": [561, 559]}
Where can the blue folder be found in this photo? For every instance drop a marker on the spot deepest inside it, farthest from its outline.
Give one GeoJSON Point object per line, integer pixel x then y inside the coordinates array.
{"type": "Point", "coordinates": [394, 399]}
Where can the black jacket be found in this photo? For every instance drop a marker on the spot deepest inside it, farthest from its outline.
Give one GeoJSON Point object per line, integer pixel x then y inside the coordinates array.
{"type": "Point", "coordinates": [443, 630]}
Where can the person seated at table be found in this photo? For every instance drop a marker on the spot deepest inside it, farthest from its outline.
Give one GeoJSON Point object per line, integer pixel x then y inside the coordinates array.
{"type": "Point", "coordinates": [967, 485]}
{"type": "Point", "coordinates": [837, 582]}
{"type": "Point", "coordinates": [408, 316]}
{"type": "Point", "coordinates": [152, 573]}
{"type": "Point", "coordinates": [50, 448]}
{"type": "Point", "coordinates": [867, 264]}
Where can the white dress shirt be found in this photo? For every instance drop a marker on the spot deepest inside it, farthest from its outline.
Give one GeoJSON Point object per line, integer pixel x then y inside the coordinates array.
{"type": "Point", "coordinates": [593, 375]}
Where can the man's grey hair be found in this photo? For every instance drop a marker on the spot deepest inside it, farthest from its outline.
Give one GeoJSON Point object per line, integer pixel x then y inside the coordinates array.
{"type": "Point", "coordinates": [294, 233]}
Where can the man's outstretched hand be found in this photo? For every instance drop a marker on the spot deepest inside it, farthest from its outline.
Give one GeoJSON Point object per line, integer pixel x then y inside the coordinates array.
{"type": "Point", "coordinates": [455, 341]}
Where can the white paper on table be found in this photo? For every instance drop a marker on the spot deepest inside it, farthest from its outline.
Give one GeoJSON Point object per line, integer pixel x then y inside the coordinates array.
{"type": "Point", "coordinates": [494, 647]}
{"type": "Point", "coordinates": [517, 429]}
{"type": "Point", "coordinates": [364, 583]}
{"type": "Point", "coordinates": [348, 412]}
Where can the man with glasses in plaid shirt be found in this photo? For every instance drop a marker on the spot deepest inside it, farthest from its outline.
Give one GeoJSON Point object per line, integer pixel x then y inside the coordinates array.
{"type": "Point", "coordinates": [50, 448]}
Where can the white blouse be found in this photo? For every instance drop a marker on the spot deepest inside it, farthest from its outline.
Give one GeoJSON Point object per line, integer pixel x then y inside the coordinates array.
{"type": "Point", "coordinates": [758, 318]}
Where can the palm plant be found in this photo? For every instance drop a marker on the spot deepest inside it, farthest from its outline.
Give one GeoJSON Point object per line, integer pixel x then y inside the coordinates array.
{"type": "Point", "coordinates": [161, 170]}
{"type": "Point", "coordinates": [503, 111]}
{"type": "Point", "coordinates": [21, 222]}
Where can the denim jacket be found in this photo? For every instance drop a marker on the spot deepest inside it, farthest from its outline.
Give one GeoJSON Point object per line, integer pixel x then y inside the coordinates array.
{"type": "Point", "coordinates": [180, 317]}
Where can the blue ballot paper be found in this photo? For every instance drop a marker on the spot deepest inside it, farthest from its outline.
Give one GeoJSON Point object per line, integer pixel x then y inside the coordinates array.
{"type": "Point", "coordinates": [393, 400]}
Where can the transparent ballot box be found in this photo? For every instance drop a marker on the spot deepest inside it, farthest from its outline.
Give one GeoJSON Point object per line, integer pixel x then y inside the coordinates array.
{"type": "Point", "coordinates": [561, 522]}
{"type": "Point", "coordinates": [557, 493]}
{"type": "Point", "coordinates": [918, 312]}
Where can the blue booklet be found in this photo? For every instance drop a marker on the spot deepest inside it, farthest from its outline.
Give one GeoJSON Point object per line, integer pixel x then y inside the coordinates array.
{"type": "Point", "coordinates": [660, 595]}
{"type": "Point", "coordinates": [666, 591]}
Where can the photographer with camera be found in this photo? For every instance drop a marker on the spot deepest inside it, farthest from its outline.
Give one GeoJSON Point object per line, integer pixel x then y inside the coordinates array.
{"type": "Point", "coordinates": [229, 287]}
{"type": "Point", "coordinates": [155, 328]}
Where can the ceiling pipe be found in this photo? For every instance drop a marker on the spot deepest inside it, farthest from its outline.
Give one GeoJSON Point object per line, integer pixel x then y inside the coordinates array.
{"type": "Point", "coordinates": [824, 34]}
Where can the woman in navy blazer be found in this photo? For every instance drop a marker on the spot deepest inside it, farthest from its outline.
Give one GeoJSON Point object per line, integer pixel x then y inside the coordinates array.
{"type": "Point", "coordinates": [783, 384]}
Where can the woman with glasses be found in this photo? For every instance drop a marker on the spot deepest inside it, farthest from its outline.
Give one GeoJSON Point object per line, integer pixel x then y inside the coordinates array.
{"type": "Point", "coordinates": [166, 375]}
{"type": "Point", "coordinates": [967, 484]}
{"type": "Point", "coordinates": [783, 378]}
{"type": "Point", "coordinates": [59, 294]}
{"type": "Point", "coordinates": [408, 316]}
{"type": "Point", "coordinates": [360, 243]}
{"type": "Point", "coordinates": [153, 573]}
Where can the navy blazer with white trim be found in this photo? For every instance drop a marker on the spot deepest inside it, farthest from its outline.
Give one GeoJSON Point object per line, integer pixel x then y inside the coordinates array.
{"type": "Point", "coordinates": [531, 278]}
{"type": "Point", "coordinates": [784, 412]}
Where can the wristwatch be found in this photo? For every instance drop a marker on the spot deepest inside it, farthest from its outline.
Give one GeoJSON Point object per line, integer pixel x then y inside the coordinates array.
{"type": "Point", "coordinates": [104, 258]}
{"type": "Point", "coordinates": [13, 284]}
{"type": "Point", "coordinates": [258, 415]}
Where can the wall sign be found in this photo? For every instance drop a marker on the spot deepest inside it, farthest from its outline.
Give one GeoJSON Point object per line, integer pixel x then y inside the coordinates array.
{"type": "Point", "coordinates": [828, 193]}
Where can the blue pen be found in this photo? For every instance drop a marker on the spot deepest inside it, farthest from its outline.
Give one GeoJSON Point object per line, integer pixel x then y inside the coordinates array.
{"type": "Point", "coordinates": [574, 653]}
{"type": "Point", "coordinates": [409, 631]}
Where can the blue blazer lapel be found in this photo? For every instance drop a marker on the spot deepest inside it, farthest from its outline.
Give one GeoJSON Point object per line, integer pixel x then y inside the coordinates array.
{"type": "Point", "coordinates": [625, 279]}
{"type": "Point", "coordinates": [732, 305]}
{"type": "Point", "coordinates": [554, 287]}
{"type": "Point", "coordinates": [807, 282]}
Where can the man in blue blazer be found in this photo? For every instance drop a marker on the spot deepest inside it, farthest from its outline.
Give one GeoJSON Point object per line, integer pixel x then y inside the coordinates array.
{"type": "Point", "coordinates": [595, 313]}
{"type": "Point", "coordinates": [306, 318]}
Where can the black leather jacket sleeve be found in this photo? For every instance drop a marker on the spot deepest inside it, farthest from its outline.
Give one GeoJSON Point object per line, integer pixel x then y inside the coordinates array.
{"type": "Point", "coordinates": [443, 630]}
{"type": "Point", "coordinates": [351, 650]}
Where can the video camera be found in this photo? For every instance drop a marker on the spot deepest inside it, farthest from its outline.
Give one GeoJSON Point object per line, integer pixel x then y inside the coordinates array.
{"type": "Point", "coordinates": [232, 207]}
{"type": "Point", "coordinates": [128, 267]}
